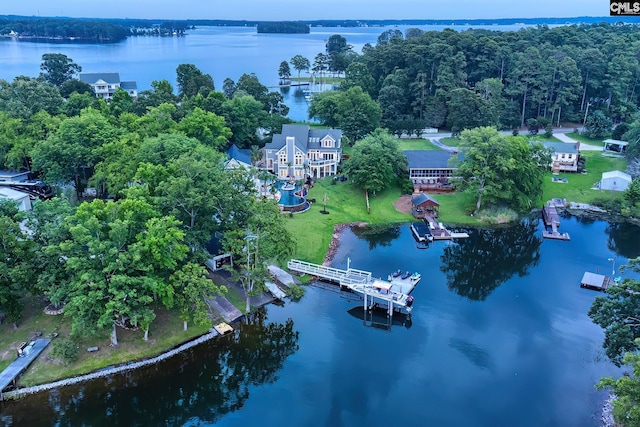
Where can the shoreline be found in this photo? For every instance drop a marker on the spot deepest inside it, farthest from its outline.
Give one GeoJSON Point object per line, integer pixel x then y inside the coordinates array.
{"type": "Point", "coordinates": [335, 239]}
{"type": "Point", "coordinates": [102, 373]}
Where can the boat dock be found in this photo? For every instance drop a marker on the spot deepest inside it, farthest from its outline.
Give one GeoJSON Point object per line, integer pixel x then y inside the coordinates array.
{"type": "Point", "coordinates": [596, 282]}
{"type": "Point", "coordinates": [27, 355]}
{"type": "Point", "coordinates": [551, 219]}
{"type": "Point", "coordinates": [440, 232]}
{"type": "Point", "coordinates": [394, 294]}
{"type": "Point", "coordinates": [421, 232]}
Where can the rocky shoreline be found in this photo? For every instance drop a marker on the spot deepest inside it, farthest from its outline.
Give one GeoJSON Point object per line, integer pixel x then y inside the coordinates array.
{"type": "Point", "coordinates": [335, 240]}
{"type": "Point", "coordinates": [22, 392]}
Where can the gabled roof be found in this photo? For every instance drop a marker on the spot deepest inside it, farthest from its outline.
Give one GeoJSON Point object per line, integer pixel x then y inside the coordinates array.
{"type": "Point", "coordinates": [243, 156]}
{"type": "Point", "coordinates": [7, 193]}
{"type": "Point", "coordinates": [616, 174]}
{"type": "Point", "coordinates": [421, 198]}
{"type": "Point", "coordinates": [562, 147]}
{"type": "Point", "coordinates": [335, 134]}
{"type": "Point", "coordinates": [92, 78]}
{"type": "Point", "coordinates": [428, 159]}
{"type": "Point", "coordinates": [301, 135]}
{"type": "Point", "coordinates": [129, 85]}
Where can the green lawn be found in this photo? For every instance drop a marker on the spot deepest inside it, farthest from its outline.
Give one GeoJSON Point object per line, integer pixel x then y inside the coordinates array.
{"type": "Point", "coordinates": [165, 332]}
{"type": "Point", "coordinates": [415, 144]}
{"type": "Point", "coordinates": [345, 203]}
{"type": "Point", "coordinates": [578, 187]}
{"type": "Point", "coordinates": [451, 141]}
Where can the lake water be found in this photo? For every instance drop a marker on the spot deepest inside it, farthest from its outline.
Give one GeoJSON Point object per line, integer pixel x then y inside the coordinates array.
{"type": "Point", "coordinates": [219, 51]}
{"type": "Point", "coordinates": [499, 337]}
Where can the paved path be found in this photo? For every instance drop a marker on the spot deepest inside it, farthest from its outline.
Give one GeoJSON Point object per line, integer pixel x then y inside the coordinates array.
{"type": "Point", "coordinates": [583, 147]}
{"type": "Point", "coordinates": [21, 363]}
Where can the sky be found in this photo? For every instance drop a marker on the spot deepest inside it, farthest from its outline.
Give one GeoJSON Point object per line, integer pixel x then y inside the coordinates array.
{"type": "Point", "coordinates": [273, 10]}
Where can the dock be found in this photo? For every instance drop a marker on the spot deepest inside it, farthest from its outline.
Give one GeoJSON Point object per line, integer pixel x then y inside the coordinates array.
{"type": "Point", "coordinates": [275, 290]}
{"type": "Point", "coordinates": [421, 232]}
{"type": "Point", "coordinates": [440, 232]}
{"type": "Point", "coordinates": [373, 291]}
{"type": "Point", "coordinates": [551, 219]}
{"type": "Point", "coordinates": [596, 282]}
{"type": "Point", "coordinates": [30, 352]}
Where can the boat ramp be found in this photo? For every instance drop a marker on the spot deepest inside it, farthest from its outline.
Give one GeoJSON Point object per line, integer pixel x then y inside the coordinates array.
{"type": "Point", "coordinates": [395, 294]}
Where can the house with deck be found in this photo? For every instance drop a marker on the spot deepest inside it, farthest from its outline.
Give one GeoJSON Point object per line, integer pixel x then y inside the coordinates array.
{"type": "Point", "coordinates": [564, 157]}
{"type": "Point", "coordinates": [300, 151]}
{"type": "Point", "coordinates": [238, 158]}
{"type": "Point", "coordinates": [431, 169]}
{"type": "Point", "coordinates": [104, 85]}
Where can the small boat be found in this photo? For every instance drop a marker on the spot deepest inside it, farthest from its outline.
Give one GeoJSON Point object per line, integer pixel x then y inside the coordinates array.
{"type": "Point", "coordinates": [405, 275]}
{"type": "Point", "coordinates": [396, 273]}
{"type": "Point", "coordinates": [415, 277]}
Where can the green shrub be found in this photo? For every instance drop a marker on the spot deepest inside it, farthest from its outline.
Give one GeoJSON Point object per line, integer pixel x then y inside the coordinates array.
{"type": "Point", "coordinates": [65, 350]}
{"type": "Point", "coordinates": [497, 216]}
{"type": "Point", "coordinates": [406, 186]}
{"type": "Point", "coordinates": [296, 292]}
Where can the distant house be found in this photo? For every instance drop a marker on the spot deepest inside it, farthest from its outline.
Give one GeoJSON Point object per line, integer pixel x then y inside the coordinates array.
{"type": "Point", "coordinates": [23, 200]}
{"type": "Point", "coordinates": [238, 158]}
{"type": "Point", "coordinates": [429, 169]}
{"type": "Point", "coordinates": [615, 181]}
{"type": "Point", "coordinates": [615, 146]}
{"type": "Point", "coordinates": [564, 157]}
{"type": "Point", "coordinates": [106, 84]}
{"type": "Point", "coordinates": [300, 151]}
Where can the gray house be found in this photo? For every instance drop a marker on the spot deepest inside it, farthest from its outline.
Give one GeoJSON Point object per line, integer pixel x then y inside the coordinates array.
{"type": "Point", "coordinates": [430, 169]}
{"type": "Point", "coordinates": [300, 151]}
{"type": "Point", "coordinates": [106, 84]}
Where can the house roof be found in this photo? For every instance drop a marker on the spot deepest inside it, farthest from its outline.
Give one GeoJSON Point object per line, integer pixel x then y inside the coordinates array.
{"type": "Point", "coordinates": [616, 174]}
{"type": "Point", "coordinates": [92, 78]}
{"type": "Point", "coordinates": [7, 193]}
{"type": "Point", "coordinates": [129, 85]}
{"type": "Point", "coordinates": [12, 175]}
{"type": "Point", "coordinates": [428, 159]}
{"type": "Point", "coordinates": [561, 147]}
{"type": "Point", "coordinates": [241, 155]}
{"type": "Point", "coordinates": [302, 135]}
{"type": "Point", "coordinates": [421, 198]}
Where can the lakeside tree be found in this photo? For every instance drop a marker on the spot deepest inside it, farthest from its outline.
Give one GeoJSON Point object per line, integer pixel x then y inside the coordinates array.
{"type": "Point", "coordinates": [57, 68]}
{"type": "Point", "coordinates": [618, 314]}
{"type": "Point", "coordinates": [501, 170]}
{"type": "Point", "coordinates": [192, 81]}
{"type": "Point", "coordinates": [284, 72]}
{"type": "Point", "coordinates": [376, 162]}
{"type": "Point", "coordinates": [25, 96]}
{"type": "Point", "coordinates": [300, 63]}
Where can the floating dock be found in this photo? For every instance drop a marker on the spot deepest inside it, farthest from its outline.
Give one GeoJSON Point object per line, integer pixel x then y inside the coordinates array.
{"type": "Point", "coordinates": [440, 232]}
{"type": "Point", "coordinates": [596, 282]}
{"type": "Point", "coordinates": [30, 352]}
{"type": "Point", "coordinates": [374, 291]}
{"type": "Point", "coordinates": [421, 232]}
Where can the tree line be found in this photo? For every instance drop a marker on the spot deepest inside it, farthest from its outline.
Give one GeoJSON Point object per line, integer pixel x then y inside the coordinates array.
{"type": "Point", "coordinates": [160, 159]}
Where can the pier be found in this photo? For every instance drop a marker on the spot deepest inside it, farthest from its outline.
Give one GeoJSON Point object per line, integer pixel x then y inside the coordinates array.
{"type": "Point", "coordinates": [26, 356]}
{"type": "Point", "coordinates": [552, 219]}
{"type": "Point", "coordinates": [362, 283]}
{"type": "Point", "coordinates": [440, 232]}
{"type": "Point", "coordinates": [596, 282]}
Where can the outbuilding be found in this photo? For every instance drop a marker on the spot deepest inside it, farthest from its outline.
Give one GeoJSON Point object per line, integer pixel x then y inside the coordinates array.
{"type": "Point", "coordinates": [23, 200]}
{"type": "Point", "coordinates": [422, 203]}
{"type": "Point", "coordinates": [615, 181]}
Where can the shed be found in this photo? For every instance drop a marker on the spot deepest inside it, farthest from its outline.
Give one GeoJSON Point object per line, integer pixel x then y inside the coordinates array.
{"type": "Point", "coordinates": [13, 176]}
{"type": "Point", "coordinates": [615, 181]}
{"type": "Point", "coordinates": [424, 202]}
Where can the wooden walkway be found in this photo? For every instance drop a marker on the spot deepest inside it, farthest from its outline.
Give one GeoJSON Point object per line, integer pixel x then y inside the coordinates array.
{"type": "Point", "coordinates": [552, 219]}
{"type": "Point", "coordinates": [18, 366]}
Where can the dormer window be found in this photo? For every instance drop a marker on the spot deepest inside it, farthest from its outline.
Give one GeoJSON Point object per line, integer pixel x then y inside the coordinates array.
{"type": "Point", "coordinates": [327, 143]}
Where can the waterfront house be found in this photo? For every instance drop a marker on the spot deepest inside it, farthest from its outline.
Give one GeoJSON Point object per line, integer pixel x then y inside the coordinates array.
{"type": "Point", "coordinates": [615, 181]}
{"type": "Point", "coordinates": [430, 169]}
{"type": "Point", "coordinates": [564, 157]}
{"type": "Point", "coordinates": [104, 85]}
{"type": "Point", "coordinates": [300, 151]}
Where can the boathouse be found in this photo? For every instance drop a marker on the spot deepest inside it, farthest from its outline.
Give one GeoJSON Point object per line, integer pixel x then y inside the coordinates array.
{"type": "Point", "coordinates": [422, 204]}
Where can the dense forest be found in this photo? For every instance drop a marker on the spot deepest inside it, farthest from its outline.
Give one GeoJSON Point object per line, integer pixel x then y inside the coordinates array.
{"type": "Point", "coordinates": [283, 28]}
{"type": "Point", "coordinates": [461, 80]}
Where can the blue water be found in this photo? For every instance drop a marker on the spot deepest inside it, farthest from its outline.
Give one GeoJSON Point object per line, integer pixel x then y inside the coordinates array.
{"type": "Point", "coordinates": [499, 337]}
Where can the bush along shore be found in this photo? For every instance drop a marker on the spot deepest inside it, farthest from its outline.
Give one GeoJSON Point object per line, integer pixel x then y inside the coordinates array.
{"type": "Point", "coordinates": [19, 393]}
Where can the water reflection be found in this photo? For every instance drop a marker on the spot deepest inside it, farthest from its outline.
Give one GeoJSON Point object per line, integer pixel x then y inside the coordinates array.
{"type": "Point", "coordinates": [623, 239]}
{"type": "Point", "coordinates": [198, 386]}
{"type": "Point", "coordinates": [377, 235]}
{"type": "Point", "coordinates": [377, 318]}
{"type": "Point", "coordinates": [476, 266]}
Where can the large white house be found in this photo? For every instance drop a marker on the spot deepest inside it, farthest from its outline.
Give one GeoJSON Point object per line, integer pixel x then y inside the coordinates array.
{"type": "Point", "coordinates": [300, 151]}
{"type": "Point", "coordinates": [564, 157]}
{"type": "Point", "coordinates": [106, 84]}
